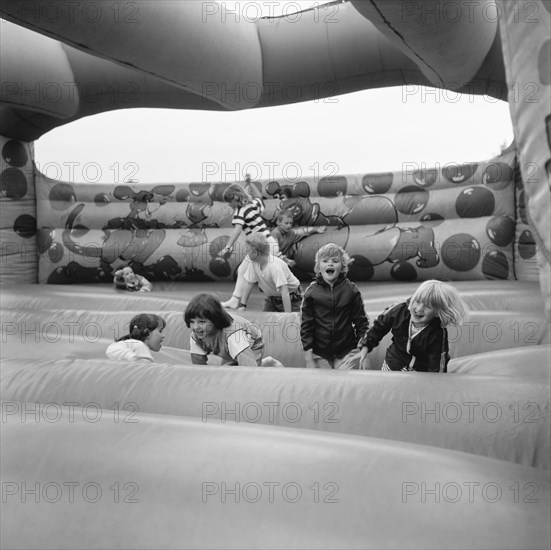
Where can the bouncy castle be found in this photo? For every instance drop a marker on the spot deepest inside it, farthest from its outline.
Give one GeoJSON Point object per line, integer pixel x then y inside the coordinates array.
{"type": "Point", "coordinates": [102, 454]}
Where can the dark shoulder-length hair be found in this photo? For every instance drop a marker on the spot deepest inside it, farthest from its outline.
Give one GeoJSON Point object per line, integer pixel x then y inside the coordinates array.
{"type": "Point", "coordinates": [208, 307]}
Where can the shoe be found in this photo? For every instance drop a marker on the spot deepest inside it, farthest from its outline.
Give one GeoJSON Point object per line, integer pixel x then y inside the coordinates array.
{"type": "Point", "coordinates": [232, 303]}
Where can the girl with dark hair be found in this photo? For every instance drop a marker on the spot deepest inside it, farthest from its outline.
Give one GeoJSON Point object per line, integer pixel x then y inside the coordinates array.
{"type": "Point", "coordinates": [145, 335]}
{"type": "Point", "coordinates": [234, 339]}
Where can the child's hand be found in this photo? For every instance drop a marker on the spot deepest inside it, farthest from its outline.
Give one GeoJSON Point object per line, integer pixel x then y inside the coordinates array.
{"type": "Point", "coordinates": [321, 229]}
{"type": "Point", "coordinates": [365, 363]}
{"type": "Point", "coordinates": [225, 252]}
{"type": "Point", "coordinates": [290, 263]}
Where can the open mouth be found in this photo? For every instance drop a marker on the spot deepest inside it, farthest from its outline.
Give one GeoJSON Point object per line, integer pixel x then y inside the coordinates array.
{"type": "Point", "coordinates": [330, 271]}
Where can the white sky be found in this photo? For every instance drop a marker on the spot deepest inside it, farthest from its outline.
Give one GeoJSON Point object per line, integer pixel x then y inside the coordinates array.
{"type": "Point", "coordinates": [369, 131]}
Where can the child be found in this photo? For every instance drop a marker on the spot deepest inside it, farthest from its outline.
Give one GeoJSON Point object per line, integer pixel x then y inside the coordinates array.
{"type": "Point", "coordinates": [288, 236]}
{"type": "Point", "coordinates": [333, 319]}
{"type": "Point", "coordinates": [281, 287]}
{"type": "Point", "coordinates": [126, 279]}
{"type": "Point", "coordinates": [418, 326]}
{"type": "Point", "coordinates": [213, 330]}
{"type": "Point", "coordinates": [145, 335]}
{"type": "Point", "coordinates": [247, 217]}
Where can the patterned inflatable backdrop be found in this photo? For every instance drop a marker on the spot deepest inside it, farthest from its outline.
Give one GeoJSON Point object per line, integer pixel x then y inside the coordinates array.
{"type": "Point", "coordinates": [456, 222]}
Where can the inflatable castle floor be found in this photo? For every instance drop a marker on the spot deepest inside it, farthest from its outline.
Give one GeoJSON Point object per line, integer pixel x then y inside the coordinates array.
{"type": "Point", "coordinates": [102, 454]}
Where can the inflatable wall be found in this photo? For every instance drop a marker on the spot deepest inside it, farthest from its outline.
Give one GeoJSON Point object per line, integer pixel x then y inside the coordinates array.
{"type": "Point", "coordinates": [457, 222]}
{"type": "Point", "coordinates": [101, 454]}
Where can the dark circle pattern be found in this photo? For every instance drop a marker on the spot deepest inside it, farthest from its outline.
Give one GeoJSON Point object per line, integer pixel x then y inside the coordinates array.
{"type": "Point", "coordinates": [62, 196]}
{"type": "Point", "coordinates": [377, 184]}
{"type": "Point", "coordinates": [459, 173]}
{"type": "Point", "coordinates": [501, 230]}
{"type": "Point", "coordinates": [102, 199]}
{"type": "Point", "coordinates": [403, 271]}
{"type": "Point", "coordinates": [411, 200]}
{"type": "Point", "coordinates": [14, 153]}
{"type": "Point", "coordinates": [475, 202]}
{"type": "Point", "coordinates": [461, 252]}
{"type": "Point", "coordinates": [495, 265]}
{"type": "Point", "coordinates": [361, 269]}
{"type": "Point", "coordinates": [332, 186]}
{"type": "Point", "coordinates": [497, 175]}
{"type": "Point", "coordinates": [526, 245]}
{"type": "Point", "coordinates": [25, 226]}
{"type": "Point", "coordinates": [13, 183]}
{"type": "Point", "coordinates": [425, 178]}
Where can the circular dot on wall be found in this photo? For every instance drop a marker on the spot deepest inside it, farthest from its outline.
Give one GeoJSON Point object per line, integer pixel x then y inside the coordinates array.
{"type": "Point", "coordinates": [461, 252]}
{"type": "Point", "coordinates": [501, 230]}
{"type": "Point", "coordinates": [475, 202]}
{"type": "Point", "coordinates": [403, 271]}
{"type": "Point", "coordinates": [25, 226]}
{"type": "Point", "coordinates": [526, 245]}
{"type": "Point", "coordinates": [361, 269]}
{"type": "Point", "coordinates": [411, 200]}
{"type": "Point", "coordinates": [14, 153]}
{"type": "Point", "coordinates": [62, 196]}
{"type": "Point", "coordinates": [13, 183]}
{"type": "Point", "coordinates": [495, 265]}
{"type": "Point", "coordinates": [377, 184]}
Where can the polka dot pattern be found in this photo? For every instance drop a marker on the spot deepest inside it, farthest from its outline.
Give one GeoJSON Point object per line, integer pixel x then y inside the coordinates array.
{"type": "Point", "coordinates": [18, 231]}
{"type": "Point", "coordinates": [445, 223]}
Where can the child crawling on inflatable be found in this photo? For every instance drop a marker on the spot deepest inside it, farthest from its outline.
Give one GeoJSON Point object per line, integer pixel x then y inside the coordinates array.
{"type": "Point", "coordinates": [145, 334]}
{"type": "Point", "coordinates": [126, 279]}
{"type": "Point", "coordinates": [419, 329]}
{"type": "Point", "coordinates": [231, 337]}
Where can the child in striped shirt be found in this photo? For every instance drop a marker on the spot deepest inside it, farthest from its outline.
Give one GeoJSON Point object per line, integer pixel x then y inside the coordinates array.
{"type": "Point", "coordinates": [248, 206]}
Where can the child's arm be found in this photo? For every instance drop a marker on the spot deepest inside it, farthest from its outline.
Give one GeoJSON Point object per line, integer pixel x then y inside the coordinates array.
{"type": "Point", "coordinates": [365, 363]}
{"type": "Point", "coordinates": [251, 188]}
{"type": "Point", "coordinates": [285, 298]}
{"type": "Point", "coordinates": [309, 358]}
{"type": "Point", "coordinates": [237, 230]}
{"type": "Point", "coordinates": [145, 285]}
{"type": "Point", "coordinates": [307, 329]}
{"type": "Point", "coordinates": [381, 326]}
{"type": "Point", "coordinates": [246, 358]}
{"type": "Point", "coordinates": [198, 355]}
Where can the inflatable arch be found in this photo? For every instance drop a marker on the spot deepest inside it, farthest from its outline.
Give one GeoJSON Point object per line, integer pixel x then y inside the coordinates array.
{"type": "Point", "coordinates": [189, 457]}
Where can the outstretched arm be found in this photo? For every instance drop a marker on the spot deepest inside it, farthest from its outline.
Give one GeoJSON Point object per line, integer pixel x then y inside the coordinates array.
{"type": "Point", "coordinates": [251, 188]}
{"type": "Point", "coordinates": [237, 230]}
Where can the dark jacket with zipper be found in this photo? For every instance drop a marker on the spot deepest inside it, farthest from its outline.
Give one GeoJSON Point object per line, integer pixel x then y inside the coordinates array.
{"type": "Point", "coordinates": [333, 319]}
{"type": "Point", "coordinates": [429, 350]}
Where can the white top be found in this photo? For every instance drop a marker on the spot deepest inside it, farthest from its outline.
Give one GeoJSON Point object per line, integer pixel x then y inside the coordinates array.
{"type": "Point", "coordinates": [272, 277]}
{"type": "Point", "coordinates": [129, 350]}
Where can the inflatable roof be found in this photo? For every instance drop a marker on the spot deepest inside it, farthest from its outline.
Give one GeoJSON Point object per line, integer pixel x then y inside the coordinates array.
{"type": "Point", "coordinates": [103, 57]}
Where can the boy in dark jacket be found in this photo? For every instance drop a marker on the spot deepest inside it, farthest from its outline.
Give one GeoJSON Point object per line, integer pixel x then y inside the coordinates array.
{"type": "Point", "coordinates": [333, 318]}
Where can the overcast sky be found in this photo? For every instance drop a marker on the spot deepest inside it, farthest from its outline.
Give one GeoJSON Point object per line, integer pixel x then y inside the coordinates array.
{"type": "Point", "coordinates": [370, 131]}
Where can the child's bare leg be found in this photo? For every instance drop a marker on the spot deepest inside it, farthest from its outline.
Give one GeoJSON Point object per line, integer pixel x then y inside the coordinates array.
{"type": "Point", "coordinates": [235, 299]}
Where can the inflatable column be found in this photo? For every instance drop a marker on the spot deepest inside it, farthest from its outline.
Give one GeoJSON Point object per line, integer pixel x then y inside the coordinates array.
{"type": "Point", "coordinates": [526, 34]}
{"type": "Point", "coordinates": [18, 241]}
